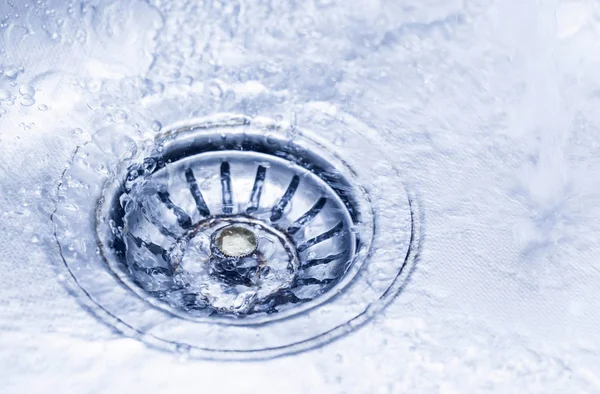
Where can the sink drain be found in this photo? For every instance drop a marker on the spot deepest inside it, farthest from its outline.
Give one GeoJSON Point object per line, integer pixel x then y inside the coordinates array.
{"type": "Point", "coordinates": [234, 225]}
{"type": "Point", "coordinates": [230, 239]}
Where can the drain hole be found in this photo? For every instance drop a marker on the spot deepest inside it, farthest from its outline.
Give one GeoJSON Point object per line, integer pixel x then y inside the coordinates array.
{"type": "Point", "coordinates": [182, 218]}
{"type": "Point", "coordinates": [257, 257]}
{"type": "Point", "coordinates": [308, 216]}
{"type": "Point", "coordinates": [226, 188]}
{"type": "Point", "coordinates": [323, 260]}
{"type": "Point", "coordinates": [321, 237]}
{"type": "Point", "coordinates": [229, 222]}
{"type": "Point", "coordinates": [289, 193]}
{"type": "Point", "coordinates": [196, 194]}
{"type": "Point", "coordinates": [261, 173]}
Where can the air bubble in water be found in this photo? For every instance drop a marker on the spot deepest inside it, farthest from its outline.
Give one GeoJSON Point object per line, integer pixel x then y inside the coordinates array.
{"type": "Point", "coordinates": [43, 107]}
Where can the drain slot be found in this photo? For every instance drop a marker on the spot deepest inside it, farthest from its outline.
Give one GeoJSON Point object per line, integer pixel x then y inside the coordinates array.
{"type": "Point", "coordinates": [289, 193]}
{"type": "Point", "coordinates": [196, 194]}
{"type": "Point", "coordinates": [226, 188]}
{"type": "Point", "coordinates": [321, 237]}
{"type": "Point", "coordinates": [308, 216]}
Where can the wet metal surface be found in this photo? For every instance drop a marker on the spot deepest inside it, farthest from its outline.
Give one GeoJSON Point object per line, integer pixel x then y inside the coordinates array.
{"type": "Point", "coordinates": [486, 110]}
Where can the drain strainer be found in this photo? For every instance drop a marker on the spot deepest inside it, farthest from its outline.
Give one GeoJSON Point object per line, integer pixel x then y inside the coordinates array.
{"type": "Point", "coordinates": [232, 239]}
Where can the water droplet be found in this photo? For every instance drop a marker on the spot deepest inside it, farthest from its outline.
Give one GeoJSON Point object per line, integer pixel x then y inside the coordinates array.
{"type": "Point", "coordinates": [120, 116]}
{"type": "Point", "coordinates": [156, 125]}
{"type": "Point", "coordinates": [5, 94]}
{"type": "Point", "coordinates": [2, 111]}
{"type": "Point", "coordinates": [77, 131]}
{"type": "Point", "coordinates": [215, 91]}
{"type": "Point", "coordinates": [101, 169]}
{"type": "Point", "coordinates": [35, 239]}
{"type": "Point", "coordinates": [80, 36]}
{"type": "Point", "coordinates": [27, 90]}
{"type": "Point", "coordinates": [43, 107]}
{"type": "Point", "coordinates": [11, 73]}
{"type": "Point", "coordinates": [27, 101]}
{"type": "Point", "coordinates": [94, 86]}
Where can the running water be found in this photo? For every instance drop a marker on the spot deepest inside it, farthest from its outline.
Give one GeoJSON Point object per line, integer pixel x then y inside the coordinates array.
{"type": "Point", "coordinates": [487, 111]}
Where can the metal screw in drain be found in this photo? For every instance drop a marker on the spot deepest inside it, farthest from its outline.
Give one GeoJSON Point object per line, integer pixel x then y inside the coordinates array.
{"type": "Point", "coordinates": [226, 221]}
